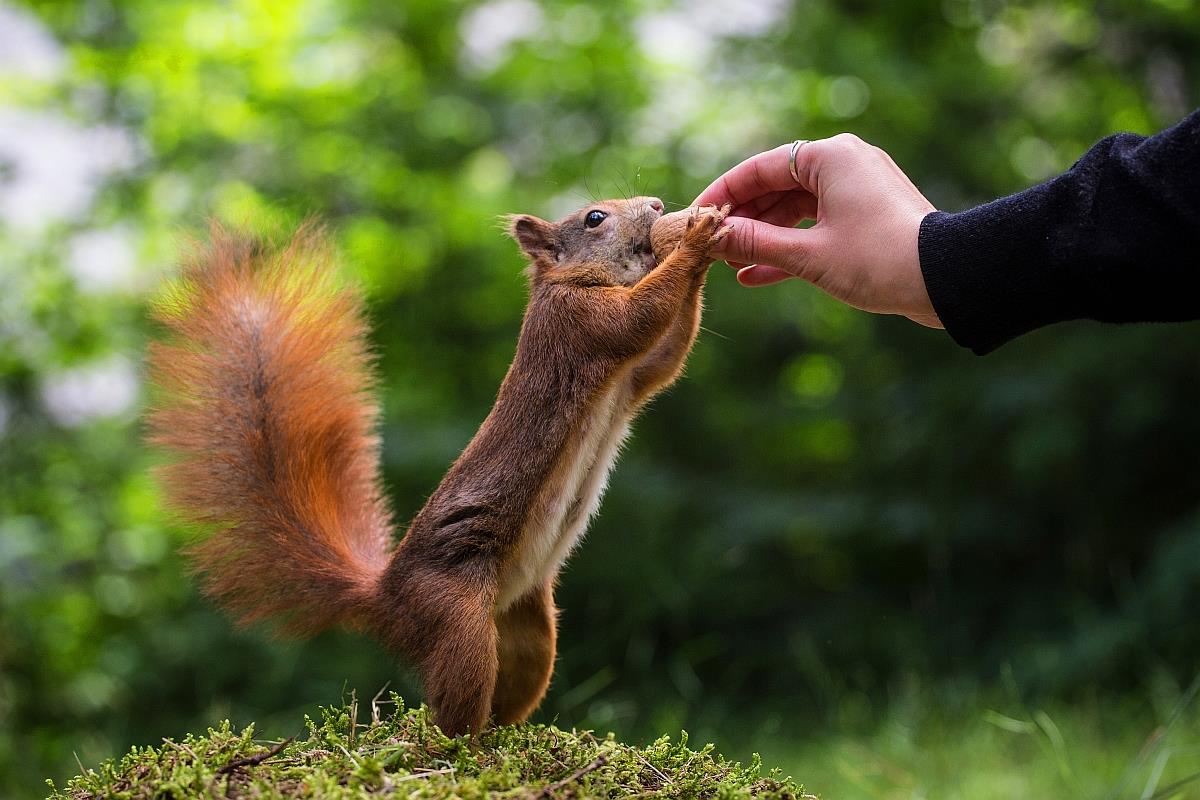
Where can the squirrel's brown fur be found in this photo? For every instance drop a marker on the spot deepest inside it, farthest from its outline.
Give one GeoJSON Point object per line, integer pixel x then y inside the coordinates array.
{"type": "Point", "coordinates": [264, 392]}
{"type": "Point", "coordinates": [264, 399]}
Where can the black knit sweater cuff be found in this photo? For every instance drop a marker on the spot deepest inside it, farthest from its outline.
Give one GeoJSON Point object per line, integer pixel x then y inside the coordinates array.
{"type": "Point", "coordinates": [986, 274]}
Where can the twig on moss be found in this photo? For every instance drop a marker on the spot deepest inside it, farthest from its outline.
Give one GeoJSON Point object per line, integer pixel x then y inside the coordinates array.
{"type": "Point", "coordinates": [428, 773]}
{"type": "Point", "coordinates": [376, 717]}
{"type": "Point", "coordinates": [353, 760]}
{"type": "Point", "coordinates": [183, 748]}
{"type": "Point", "coordinates": [600, 761]}
{"type": "Point", "coordinates": [253, 761]}
{"type": "Point", "coordinates": [656, 770]}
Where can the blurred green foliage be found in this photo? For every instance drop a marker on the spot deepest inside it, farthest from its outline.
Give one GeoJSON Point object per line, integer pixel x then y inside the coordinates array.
{"type": "Point", "coordinates": [828, 509]}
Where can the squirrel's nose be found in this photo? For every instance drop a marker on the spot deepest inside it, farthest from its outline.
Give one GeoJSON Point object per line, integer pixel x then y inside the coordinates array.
{"type": "Point", "coordinates": [656, 204]}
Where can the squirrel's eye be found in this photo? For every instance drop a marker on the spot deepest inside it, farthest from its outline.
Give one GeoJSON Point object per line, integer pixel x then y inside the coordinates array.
{"type": "Point", "coordinates": [593, 219]}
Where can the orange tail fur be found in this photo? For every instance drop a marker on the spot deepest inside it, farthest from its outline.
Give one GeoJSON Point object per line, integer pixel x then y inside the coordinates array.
{"type": "Point", "coordinates": [263, 397]}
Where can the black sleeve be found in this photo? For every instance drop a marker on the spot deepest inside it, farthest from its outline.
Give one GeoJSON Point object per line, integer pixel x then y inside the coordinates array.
{"type": "Point", "coordinates": [1116, 238]}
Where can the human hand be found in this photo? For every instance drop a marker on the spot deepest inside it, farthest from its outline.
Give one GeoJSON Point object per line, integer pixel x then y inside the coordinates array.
{"type": "Point", "coordinates": [862, 249]}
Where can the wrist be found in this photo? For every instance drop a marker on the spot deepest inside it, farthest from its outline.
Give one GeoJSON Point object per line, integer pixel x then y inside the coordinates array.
{"type": "Point", "coordinates": [921, 309]}
{"type": "Point", "coordinates": [899, 283]}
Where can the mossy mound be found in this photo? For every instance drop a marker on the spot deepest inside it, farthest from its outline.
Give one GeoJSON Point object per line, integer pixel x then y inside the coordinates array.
{"type": "Point", "coordinates": [405, 755]}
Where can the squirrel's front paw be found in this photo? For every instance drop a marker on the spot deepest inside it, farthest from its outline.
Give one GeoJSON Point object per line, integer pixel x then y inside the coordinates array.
{"type": "Point", "coordinates": [695, 231]}
{"type": "Point", "coordinates": [705, 229]}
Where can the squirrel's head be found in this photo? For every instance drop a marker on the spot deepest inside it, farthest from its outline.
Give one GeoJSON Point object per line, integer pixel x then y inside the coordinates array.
{"type": "Point", "coordinates": [605, 243]}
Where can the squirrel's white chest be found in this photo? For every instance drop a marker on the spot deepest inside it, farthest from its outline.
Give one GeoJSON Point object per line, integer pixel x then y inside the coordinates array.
{"type": "Point", "coordinates": [560, 515]}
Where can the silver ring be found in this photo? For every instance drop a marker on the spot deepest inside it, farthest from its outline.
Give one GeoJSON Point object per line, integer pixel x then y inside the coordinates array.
{"type": "Point", "coordinates": [796, 145]}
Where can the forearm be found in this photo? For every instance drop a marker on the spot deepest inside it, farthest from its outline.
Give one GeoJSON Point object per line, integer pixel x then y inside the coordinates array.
{"type": "Point", "coordinates": [634, 318]}
{"type": "Point", "coordinates": [662, 364]}
{"type": "Point", "coordinates": [638, 316]}
{"type": "Point", "coordinates": [1113, 239]}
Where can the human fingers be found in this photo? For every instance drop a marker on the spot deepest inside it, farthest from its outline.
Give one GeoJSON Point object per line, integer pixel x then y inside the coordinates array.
{"type": "Point", "coordinates": [753, 242]}
{"type": "Point", "coordinates": [789, 210]}
{"type": "Point", "coordinates": [758, 175]}
{"type": "Point", "coordinates": [755, 207]}
{"type": "Point", "coordinates": [780, 208]}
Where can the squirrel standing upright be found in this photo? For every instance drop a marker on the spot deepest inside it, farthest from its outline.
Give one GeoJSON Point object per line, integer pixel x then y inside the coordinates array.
{"type": "Point", "coordinates": [264, 400]}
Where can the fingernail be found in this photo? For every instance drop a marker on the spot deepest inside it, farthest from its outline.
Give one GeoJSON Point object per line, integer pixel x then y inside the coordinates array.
{"type": "Point", "coordinates": [748, 274]}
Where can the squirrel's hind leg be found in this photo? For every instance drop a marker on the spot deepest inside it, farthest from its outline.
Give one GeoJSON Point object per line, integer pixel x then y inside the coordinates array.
{"type": "Point", "coordinates": [527, 635]}
{"type": "Point", "coordinates": [444, 625]}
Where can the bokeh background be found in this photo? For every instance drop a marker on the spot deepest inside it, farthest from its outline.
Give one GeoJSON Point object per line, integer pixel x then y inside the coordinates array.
{"type": "Point", "coordinates": [894, 568]}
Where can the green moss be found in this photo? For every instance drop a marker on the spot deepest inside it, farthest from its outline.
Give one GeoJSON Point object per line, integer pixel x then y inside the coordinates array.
{"type": "Point", "coordinates": [406, 755]}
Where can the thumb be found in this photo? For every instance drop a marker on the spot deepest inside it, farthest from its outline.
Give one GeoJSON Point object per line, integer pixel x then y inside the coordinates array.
{"type": "Point", "coordinates": [751, 241]}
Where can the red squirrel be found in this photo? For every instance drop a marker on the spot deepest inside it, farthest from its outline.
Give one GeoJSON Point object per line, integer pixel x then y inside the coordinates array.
{"type": "Point", "coordinates": [264, 400]}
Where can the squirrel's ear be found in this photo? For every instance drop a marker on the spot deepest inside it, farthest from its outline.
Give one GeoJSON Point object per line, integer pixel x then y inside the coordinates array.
{"type": "Point", "coordinates": [537, 238]}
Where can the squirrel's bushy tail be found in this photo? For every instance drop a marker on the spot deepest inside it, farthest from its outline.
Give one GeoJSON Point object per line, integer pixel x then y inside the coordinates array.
{"type": "Point", "coordinates": [263, 398]}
